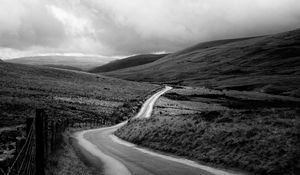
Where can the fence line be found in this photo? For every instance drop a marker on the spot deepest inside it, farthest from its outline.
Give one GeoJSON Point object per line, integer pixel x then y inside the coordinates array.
{"type": "Point", "coordinates": [43, 137]}
{"type": "Point", "coordinates": [16, 166]}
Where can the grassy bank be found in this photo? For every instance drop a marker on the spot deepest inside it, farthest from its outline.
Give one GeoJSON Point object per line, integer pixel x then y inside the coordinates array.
{"type": "Point", "coordinates": [259, 139]}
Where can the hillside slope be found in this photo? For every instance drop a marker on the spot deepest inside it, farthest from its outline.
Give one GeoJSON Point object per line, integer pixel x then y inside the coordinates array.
{"type": "Point", "coordinates": [81, 62]}
{"type": "Point", "coordinates": [251, 131]}
{"type": "Point", "coordinates": [65, 95]}
{"type": "Point", "coordinates": [75, 94]}
{"type": "Point", "coordinates": [267, 64]}
{"type": "Point", "coordinates": [128, 62]}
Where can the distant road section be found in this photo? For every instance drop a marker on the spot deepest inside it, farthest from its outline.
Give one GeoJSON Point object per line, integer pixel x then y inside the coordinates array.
{"type": "Point", "coordinates": [146, 110]}
{"type": "Point", "coordinates": [122, 158]}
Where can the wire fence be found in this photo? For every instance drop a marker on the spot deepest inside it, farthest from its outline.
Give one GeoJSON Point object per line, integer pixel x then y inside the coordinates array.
{"type": "Point", "coordinates": [43, 137]}
{"type": "Point", "coordinates": [25, 158]}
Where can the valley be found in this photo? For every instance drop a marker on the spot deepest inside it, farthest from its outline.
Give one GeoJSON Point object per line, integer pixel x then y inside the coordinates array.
{"type": "Point", "coordinates": [234, 105]}
{"type": "Point", "coordinates": [141, 87]}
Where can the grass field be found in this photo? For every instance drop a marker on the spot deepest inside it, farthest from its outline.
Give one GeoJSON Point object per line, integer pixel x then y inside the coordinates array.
{"type": "Point", "coordinates": [254, 132]}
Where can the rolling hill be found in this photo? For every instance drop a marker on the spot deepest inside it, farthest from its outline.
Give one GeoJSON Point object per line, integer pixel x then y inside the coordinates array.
{"type": "Point", "coordinates": [128, 62]}
{"type": "Point", "coordinates": [76, 94]}
{"type": "Point", "coordinates": [268, 64]}
{"type": "Point", "coordinates": [81, 62]}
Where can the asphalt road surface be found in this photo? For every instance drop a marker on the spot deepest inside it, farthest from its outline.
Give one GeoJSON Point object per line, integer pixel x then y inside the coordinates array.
{"type": "Point", "coordinates": [114, 156]}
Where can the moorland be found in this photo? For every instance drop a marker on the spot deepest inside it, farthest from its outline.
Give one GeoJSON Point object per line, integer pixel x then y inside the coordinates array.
{"type": "Point", "coordinates": [267, 64]}
{"type": "Point", "coordinates": [235, 103]}
{"type": "Point", "coordinates": [77, 96]}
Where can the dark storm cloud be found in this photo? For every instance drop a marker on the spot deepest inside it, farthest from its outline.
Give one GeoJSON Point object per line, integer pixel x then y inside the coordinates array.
{"type": "Point", "coordinates": [119, 27]}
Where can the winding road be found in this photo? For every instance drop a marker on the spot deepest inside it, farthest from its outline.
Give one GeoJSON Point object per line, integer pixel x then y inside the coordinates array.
{"type": "Point", "coordinates": [117, 157]}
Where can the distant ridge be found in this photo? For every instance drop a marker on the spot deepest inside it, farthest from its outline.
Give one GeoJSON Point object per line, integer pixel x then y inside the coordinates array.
{"type": "Point", "coordinates": [81, 62]}
{"type": "Point", "coordinates": [268, 63]}
{"type": "Point", "coordinates": [128, 62]}
{"type": "Point", "coordinates": [63, 67]}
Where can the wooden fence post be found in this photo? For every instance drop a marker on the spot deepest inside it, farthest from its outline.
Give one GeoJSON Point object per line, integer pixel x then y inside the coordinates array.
{"type": "Point", "coordinates": [46, 136]}
{"type": "Point", "coordinates": [52, 135]}
{"type": "Point", "coordinates": [39, 126]}
{"type": "Point", "coordinates": [29, 122]}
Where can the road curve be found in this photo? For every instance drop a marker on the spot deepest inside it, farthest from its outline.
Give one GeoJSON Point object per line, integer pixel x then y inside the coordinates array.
{"type": "Point", "coordinates": [118, 157]}
{"type": "Point", "coordinates": [147, 107]}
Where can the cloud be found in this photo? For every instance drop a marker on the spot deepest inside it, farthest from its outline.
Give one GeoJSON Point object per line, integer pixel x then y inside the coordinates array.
{"type": "Point", "coordinates": [27, 23]}
{"type": "Point", "coordinates": [118, 27]}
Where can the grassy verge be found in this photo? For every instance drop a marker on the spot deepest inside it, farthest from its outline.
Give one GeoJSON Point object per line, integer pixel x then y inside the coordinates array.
{"type": "Point", "coordinates": [258, 139]}
{"type": "Point", "coordinates": [66, 161]}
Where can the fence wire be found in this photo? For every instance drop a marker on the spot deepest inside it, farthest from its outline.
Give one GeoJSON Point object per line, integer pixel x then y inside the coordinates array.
{"type": "Point", "coordinates": [25, 157]}
{"type": "Point", "coordinates": [26, 160]}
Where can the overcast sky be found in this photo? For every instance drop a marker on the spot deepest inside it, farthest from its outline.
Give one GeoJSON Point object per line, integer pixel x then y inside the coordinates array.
{"type": "Point", "coordinates": [126, 27]}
